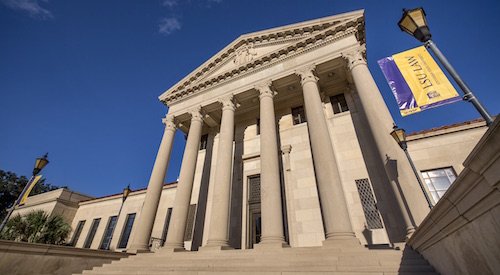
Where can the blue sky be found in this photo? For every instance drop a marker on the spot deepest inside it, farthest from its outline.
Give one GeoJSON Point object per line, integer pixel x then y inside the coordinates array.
{"type": "Point", "coordinates": [80, 79]}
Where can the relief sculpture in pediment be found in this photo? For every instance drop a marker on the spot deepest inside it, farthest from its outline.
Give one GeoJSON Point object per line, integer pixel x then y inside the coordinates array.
{"type": "Point", "coordinates": [245, 54]}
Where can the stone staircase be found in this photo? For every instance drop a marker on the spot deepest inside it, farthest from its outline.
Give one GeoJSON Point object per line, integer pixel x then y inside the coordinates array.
{"type": "Point", "coordinates": [311, 260]}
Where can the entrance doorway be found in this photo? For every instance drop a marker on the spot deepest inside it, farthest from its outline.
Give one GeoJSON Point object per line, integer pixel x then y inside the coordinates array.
{"type": "Point", "coordinates": [256, 226]}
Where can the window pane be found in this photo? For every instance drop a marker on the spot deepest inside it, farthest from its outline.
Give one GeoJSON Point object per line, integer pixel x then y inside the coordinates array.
{"type": "Point", "coordinates": [435, 196]}
{"type": "Point", "coordinates": [165, 228]}
{"type": "Point", "coordinates": [93, 229]}
{"type": "Point", "coordinates": [441, 183]}
{"type": "Point", "coordinates": [336, 108]}
{"type": "Point", "coordinates": [429, 185]}
{"type": "Point", "coordinates": [299, 115]}
{"type": "Point", "coordinates": [126, 232]}
{"type": "Point", "coordinates": [438, 181]}
{"type": "Point", "coordinates": [108, 235]}
{"type": "Point", "coordinates": [78, 231]}
{"type": "Point", "coordinates": [339, 103]}
{"type": "Point", "coordinates": [203, 142]}
{"type": "Point", "coordinates": [436, 173]}
{"type": "Point", "coordinates": [449, 172]}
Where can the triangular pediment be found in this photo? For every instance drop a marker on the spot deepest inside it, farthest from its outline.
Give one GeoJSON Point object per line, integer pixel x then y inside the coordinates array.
{"type": "Point", "coordinates": [256, 49]}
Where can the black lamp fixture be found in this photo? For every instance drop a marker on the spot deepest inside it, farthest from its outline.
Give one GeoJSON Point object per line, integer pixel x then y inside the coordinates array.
{"type": "Point", "coordinates": [414, 23]}
{"type": "Point", "coordinates": [126, 192]}
{"type": "Point", "coordinates": [40, 163]}
{"type": "Point", "coordinates": [399, 136]}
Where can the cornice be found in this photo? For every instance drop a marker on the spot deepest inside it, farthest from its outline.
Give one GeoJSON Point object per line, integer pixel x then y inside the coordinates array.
{"type": "Point", "coordinates": [304, 39]}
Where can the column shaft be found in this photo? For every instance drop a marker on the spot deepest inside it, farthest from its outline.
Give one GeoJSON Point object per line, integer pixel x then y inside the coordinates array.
{"type": "Point", "coordinates": [380, 123]}
{"type": "Point", "coordinates": [218, 235]}
{"type": "Point", "coordinates": [146, 219]}
{"type": "Point", "coordinates": [270, 189]}
{"type": "Point", "coordinates": [333, 204]}
{"type": "Point", "coordinates": [177, 226]}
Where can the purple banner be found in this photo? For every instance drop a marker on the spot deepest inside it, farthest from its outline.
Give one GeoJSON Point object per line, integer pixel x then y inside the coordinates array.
{"type": "Point", "coordinates": [399, 87]}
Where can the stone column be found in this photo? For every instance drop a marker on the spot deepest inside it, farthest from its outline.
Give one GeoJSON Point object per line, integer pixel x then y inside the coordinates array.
{"type": "Point", "coordinates": [270, 189]}
{"type": "Point", "coordinates": [380, 123]}
{"type": "Point", "coordinates": [218, 235]}
{"type": "Point", "coordinates": [177, 226]}
{"type": "Point", "coordinates": [148, 213]}
{"type": "Point", "coordinates": [333, 204]}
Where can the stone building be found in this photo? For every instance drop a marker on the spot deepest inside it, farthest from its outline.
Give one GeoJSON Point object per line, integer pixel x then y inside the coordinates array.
{"type": "Point", "coordinates": [288, 145]}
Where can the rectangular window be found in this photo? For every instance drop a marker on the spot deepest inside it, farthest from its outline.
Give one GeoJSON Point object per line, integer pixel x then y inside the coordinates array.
{"type": "Point", "coordinates": [258, 126]}
{"type": "Point", "coordinates": [165, 228]}
{"type": "Point", "coordinates": [299, 116]}
{"type": "Point", "coordinates": [127, 230]}
{"type": "Point", "coordinates": [78, 231]}
{"type": "Point", "coordinates": [188, 235]}
{"type": "Point", "coordinates": [93, 229]}
{"type": "Point", "coordinates": [438, 181]}
{"type": "Point", "coordinates": [372, 215]}
{"type": "Point", "coordinates": [203, 142]}
{"type": "Point", "coordinates": [108, 235]}
{"type": "Point", "coordinates": [339, 104]}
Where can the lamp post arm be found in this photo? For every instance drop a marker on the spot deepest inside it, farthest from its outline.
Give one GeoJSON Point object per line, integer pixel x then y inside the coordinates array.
{"type": "Point", "coordinates": [468, 94]}
{"type": "Point", "coordinates": [4, 222]}
{"type": "Point", "coordinates": [418, 179]}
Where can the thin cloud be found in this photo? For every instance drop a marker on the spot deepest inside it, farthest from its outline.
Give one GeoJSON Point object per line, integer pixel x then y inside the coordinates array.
{"type": "Point", "coordinates": [214, 1]}
{"type": "Point", "coordinates": [169, 3]}
{"type": "Point", "coordinates": [168, 25]}
{"type": "Point", "coordinates": [30, 6]}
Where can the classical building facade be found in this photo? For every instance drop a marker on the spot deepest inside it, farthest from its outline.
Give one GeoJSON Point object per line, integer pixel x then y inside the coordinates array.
{"type": "Point", "coordinates": [287, 145]}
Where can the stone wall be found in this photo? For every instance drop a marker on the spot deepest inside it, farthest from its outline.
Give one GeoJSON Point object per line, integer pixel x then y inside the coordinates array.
{"type": "Point", "coordinates": [31, 258]}
{"type": "Point", "coordinates": [461, 235]}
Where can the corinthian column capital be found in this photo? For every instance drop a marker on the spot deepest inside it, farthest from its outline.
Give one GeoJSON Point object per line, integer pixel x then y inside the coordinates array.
{"type": "Point", "coordinates": [265, 90]}
{"type": "Point", "coordinates": [228, 103]}
{"type": "Point", "coordinates": [170, 123]}
{"type": "Point", "coordinates": [355, 57]}
{"type": "Point", "coordinates": [196, 114]}
{"type": "Point", "coordinates": [307, 74]}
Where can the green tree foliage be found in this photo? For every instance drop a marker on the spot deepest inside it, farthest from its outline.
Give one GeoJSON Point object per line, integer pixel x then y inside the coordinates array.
{"type": "Point", "coordinates": [37, 227]}
{"type": "Point", "coordinates": [11, 187]}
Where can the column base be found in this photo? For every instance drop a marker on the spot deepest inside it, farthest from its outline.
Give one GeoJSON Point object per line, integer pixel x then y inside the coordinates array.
{"type": "Point", "coordinates": [409, 232]}
{"type": "Point", "coordinates": [342, 240]}
{"type": "Point", "coordinates": [214, 248]}
{"type": "Point", "coordinates": [134, 249]}
{"type": "Point", "coordinates": [172, 249]}
{"type": "Point", "coordinates": [270, 246]}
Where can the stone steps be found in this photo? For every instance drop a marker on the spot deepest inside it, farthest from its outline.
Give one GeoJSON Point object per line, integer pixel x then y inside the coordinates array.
{"type": "Point", "coordinates": [317, 260]}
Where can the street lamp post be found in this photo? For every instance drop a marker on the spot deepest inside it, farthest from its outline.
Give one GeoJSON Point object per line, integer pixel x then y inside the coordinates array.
{"type": "Point", "coordinates": [414, 23]}
{"type": "Point", "coordinates": [399, 136]}
{"type": "Point", "coordinates": [40, 163]}
{"type": "Point", "coordinates": [126, 192]}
